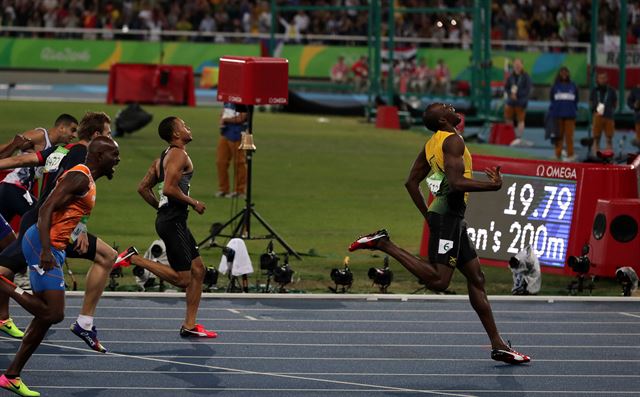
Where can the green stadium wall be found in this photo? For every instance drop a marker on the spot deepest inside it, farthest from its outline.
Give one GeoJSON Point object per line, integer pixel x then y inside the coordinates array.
{"type": "Point", "coordinates": [305, 61]}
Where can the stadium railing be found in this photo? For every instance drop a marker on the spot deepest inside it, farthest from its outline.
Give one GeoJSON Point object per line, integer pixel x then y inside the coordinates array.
{"type": "Point", "coordinates": [173, 35]}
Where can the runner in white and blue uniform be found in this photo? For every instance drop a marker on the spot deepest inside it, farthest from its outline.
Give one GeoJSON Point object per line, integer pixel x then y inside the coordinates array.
{"type": "Point", "coordinates": [16, 187]}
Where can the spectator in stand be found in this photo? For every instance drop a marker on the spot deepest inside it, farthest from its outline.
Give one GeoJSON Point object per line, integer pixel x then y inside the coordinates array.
{"type": "Point", "coordinates": [264, 17]}
{"type": "Point", "coordinates": [207, 25]}
{"type": "Point", "coordinates": [302, 21]}
{"type": "Point", "coordinates": [511, 19]}
{"type": "Point", "coordinates": [522, 27]}
{"type": "Point", "coordinates": [442, 78]}
{"type": "Point", "coordinates": [603, 100]}
{"type": "Point", "coordinates": [633, 101]}
{"type": "Point", "coordinates": [421, 81]}
{"type": "Point", "coordinates": [517, 89]}
{"type": "Point", "coordinates": [184, 25]}
{"type": "Point", "coordinates": [340, 71]}
{"type": "Point", "coordinates": [360, 71]}
{"type": "Point", "coordinates": [564, 109]}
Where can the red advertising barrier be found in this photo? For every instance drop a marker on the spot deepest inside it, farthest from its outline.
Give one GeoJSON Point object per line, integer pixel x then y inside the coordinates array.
{"type": "Point", "coordinates": [548, 205]}
{"type": "Point", "coordinates": [151, 84]}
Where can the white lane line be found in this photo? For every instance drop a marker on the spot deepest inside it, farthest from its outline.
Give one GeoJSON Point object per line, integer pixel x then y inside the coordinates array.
{"type": "Point", "coordinates": [437, 392]}
{"type": "Point", "coordinates": [296, 377]}
{"type": "Point", "coordinates": [342, 345]}
{"type": "Point", "coordinates": [250, 297]}
{"type": "Point", "coordinates": [346, 321]}
{"type": "Point", "coordinates": [377, 359]}
{"type": "Point", "coordinates": [630, 314]}
{"type": "Point", "coordinates": [364, 332]}
{"type": "Point", "coordinates": [457, 374]}
{"type": "Point", "coordinates": [238, 389]}
{"type": "Point", "coordinates": [234, 311]}
{"type": "Point", "coordinates": [316, 310]}
{"type": "Point", "coordinates": [553, 392]}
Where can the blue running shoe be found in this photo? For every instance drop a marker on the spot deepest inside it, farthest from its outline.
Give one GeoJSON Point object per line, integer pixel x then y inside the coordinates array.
{"type": "Point", "coordinates": [89, 337]}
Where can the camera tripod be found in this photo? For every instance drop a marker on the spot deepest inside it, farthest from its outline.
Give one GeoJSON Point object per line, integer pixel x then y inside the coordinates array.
{"type": "Point", "coordinates": [243, 227]}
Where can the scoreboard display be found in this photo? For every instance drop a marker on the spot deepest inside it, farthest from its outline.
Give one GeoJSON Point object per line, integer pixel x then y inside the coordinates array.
{"type": "Point", "coordinates": [526, 211]}
{"type": "Point", "coordinates": [547, 205]}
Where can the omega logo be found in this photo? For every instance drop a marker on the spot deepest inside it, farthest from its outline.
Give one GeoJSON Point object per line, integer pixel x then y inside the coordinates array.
{"type": "Point", "coordinates": [556, 172]}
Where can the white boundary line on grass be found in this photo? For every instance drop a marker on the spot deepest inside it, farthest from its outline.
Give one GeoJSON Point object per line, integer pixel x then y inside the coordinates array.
{"type": "Point", "coordinates": [365, 297]}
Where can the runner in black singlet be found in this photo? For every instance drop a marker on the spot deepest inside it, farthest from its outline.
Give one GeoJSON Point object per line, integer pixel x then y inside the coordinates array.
{"type": "Point", "coordinates": [172, 174]}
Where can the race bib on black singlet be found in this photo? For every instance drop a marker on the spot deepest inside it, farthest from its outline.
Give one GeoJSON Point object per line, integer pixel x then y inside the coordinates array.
{"type": "Point", "coordinates": [162, 199]}
{"type": "Point", "coordinates": [53, 161]}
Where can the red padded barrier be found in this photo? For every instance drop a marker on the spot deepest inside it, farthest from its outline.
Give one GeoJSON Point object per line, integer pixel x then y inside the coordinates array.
{"type": "Point", "coordinates": [151, 84]}
{"type": "Point", "coordinates": [615, 236]}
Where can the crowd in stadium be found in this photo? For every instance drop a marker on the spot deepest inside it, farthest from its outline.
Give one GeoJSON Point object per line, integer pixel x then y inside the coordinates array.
{"type": "Point", "coordinates": [526, 20]}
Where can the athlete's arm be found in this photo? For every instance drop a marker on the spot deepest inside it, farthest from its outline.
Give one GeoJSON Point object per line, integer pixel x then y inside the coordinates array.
{"type": "Point", "coordinates": [19, 142]}
{"type": "Point", "coordinates": [174, 163]}
{"type": "Point", "coordinates": [146, 185]}
{"type": "Point", "coordinates": [453, 150]}
{"type": "Point", "coordinates": [74, 184]}
{"type": "Point", "coordinates": [23, 160]}
{"type": "Point", "coordinates": [419, 171]}
{"type": "Point", "coordinates": [36, 137]}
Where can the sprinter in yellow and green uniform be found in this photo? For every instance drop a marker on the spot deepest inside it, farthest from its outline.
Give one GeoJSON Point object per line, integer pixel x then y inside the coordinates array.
{"type": "Point", "coordinates": [445, 162]}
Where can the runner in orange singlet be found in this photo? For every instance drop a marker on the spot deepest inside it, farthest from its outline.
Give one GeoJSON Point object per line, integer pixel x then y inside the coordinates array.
{"type": "Point", "coordinates": [44, 246]}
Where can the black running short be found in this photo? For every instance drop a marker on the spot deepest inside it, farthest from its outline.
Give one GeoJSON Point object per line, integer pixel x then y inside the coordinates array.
{"type": "Point", "coordinates": [14, 201]}
{"type": "Point", "coordinates": [181, 246]}
{"type": "Point", "coordinates": [449, 242]}
{"type": "Point", "coordinates": [91, 251]}
{"type": "Point", "coordinates": [12, 257]}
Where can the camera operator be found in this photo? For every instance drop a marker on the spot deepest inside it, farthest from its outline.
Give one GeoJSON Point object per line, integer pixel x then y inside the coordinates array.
{"type": "Point", "coordinates": [233, 121]}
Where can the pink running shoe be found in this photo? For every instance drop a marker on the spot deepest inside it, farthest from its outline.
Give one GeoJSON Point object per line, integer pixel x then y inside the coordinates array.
{"type": "Point", "coordinates": [509, 356]}
{"type": "Point", "coordinates": [370, 241]}
{"type": "Point", "coordinates": [198, 331]}
{"type": "Point", "coordinates": [124, 258]}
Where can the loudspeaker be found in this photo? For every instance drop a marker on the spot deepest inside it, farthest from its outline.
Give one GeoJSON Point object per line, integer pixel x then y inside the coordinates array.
{"type": "Point", "coordinates": [253, 80]}
{"type": "Point", "coordinates": [615, 237]}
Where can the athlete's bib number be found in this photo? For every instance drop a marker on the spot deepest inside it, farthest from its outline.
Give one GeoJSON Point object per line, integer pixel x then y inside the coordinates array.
{"type": "Point", "coordinates": [54, 159]}
{"type": "Point", "coordinates": [162, 199]}
{"type": "Point", "coordinates": [434, 182]}
{"type": "Point", "coordinates": [80, 228]}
